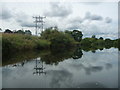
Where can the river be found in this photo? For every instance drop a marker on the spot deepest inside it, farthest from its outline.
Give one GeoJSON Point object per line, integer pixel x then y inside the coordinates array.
{"type": "Point", "coordinates": [78, 69]}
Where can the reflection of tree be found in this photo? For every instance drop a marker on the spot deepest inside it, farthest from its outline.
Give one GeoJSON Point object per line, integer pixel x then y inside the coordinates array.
{"type": "Point", "coordinates": [54, 57]}
{"type": "Point", "coordinates": [19, 64]}
{"type": "Point", "coordinates": [39, 69]}
{"type": "Point", "coordinates": [77, 54]}
{"type": "Point", "coordinates": [93, 69]}
{"type": "Point", "coordinates": [16, 57]}
{"type": "Point", "coordinates": [93, 51]}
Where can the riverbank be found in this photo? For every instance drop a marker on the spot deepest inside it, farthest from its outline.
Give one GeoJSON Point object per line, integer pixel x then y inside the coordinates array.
{"type": "Point", "coordinates": [55, 40]}
{"type": "Point", "coordinates": [19, 42]}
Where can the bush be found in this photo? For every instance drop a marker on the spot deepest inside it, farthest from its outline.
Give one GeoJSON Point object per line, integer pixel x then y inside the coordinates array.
{"type": "Point", "coordinates": [58, 39]}
{"type": "Point", "coordinates": [11, 42]}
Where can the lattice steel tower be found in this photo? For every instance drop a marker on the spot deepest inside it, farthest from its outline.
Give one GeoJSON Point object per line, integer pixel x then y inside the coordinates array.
{"type": "Point", "coordinates": [39, 24]}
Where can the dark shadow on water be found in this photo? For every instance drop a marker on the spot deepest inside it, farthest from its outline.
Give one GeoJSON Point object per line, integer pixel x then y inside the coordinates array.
{"type": "Point", "coordinates": [53, 56]}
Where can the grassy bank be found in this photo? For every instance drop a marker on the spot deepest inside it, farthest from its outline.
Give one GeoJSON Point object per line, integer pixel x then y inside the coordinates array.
{"type": "Point", "coordinates": [88, 44]}
{"type": "Point", "coordinates": [20, 42]}
{"type": "Point", "coordinates": [15, 42]}
{"type": "Point", "coordinates": [54, 39]}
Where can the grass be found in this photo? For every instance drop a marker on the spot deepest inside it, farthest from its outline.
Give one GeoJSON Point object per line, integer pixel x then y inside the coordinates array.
{"type": "Point", "coordinates": [11, 42]}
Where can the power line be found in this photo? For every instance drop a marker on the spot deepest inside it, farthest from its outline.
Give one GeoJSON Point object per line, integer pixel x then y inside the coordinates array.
{"type": "Point", "coordinates": [39, 23]}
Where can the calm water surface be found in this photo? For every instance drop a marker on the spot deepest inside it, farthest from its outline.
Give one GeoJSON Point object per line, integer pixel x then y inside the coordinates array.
{"type": "Point", "coordinates": [80, 69]}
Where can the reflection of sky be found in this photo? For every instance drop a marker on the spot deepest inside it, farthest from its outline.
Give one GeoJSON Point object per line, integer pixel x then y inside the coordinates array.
{"type": "Point", "coordinates": [92, 70]}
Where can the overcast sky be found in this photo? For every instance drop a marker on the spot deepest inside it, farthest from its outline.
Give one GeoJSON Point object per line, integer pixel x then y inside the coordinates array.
{"type": "Point", "coordinates": [98, 18]}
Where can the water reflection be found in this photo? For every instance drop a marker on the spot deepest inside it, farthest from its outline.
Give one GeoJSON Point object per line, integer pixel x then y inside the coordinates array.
{"type": "Point", "coordinates": [108, 66]}
{"type": "Point", "coordinates": [72, 68]}
{"type": "Point", "coordinates": [49, 57]}
{"type": "Point", "coordinates": [21, 64]}
{"type": "Point", "coordinates": [77, 54]}
{"type": "Point", "coordinates": [60, 78]}
{"type": "Point", "coordinates": [39, 68]}
{"type": "Point", "coordinates": [92, 84]}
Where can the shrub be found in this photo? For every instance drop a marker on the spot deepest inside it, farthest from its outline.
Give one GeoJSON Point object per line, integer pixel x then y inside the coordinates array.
{"type": "Point", "coordinates": [11, 42]}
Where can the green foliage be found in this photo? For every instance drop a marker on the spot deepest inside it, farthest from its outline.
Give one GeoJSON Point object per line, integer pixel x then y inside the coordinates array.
{"type": "Point", "coordinates": [20, 32]}
{"type": "Point", "coordinates": [53, 38]}
{"type": "Point", "coordinates": [93, 36]}
{"type": "Point", "coordinates": [76, 34]}
{"type": "Point", "coordinates": [116, 43]}
{"type": "Point", "coordinates": [8, 31]}
{"type": "Point", "coordinates": [85, 42]}
{"type": "Point", "coordinates": [48, 33]}
{"type": "Point", "coordinates": [108, 43]}
{"type": "Point", "coordinates": [101, 38]}
{"type": "Point", "coordinates": [28, 32]}
{"type": "Point", "coordinates": [12, 42]}
{"type": "Point", "coordinates": [58, 39]}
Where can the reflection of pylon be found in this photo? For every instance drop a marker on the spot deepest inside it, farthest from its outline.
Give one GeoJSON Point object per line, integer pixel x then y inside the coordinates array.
{"type": "Point", "coordinates": [39, 23]}
{"type": "Point", "coordinates": [39, 69]}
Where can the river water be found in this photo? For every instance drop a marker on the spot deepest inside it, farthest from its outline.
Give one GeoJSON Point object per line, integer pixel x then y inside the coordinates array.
{"type": "Point", "coordinates": [97, 69]}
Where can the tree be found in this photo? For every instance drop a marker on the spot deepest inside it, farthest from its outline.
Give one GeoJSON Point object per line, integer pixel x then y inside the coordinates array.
{"type": "Point", "coordinates": [86, 42]}
{"type": "Point", "coordinates": [20, 32]}
{"type": "Point", "coordinates": [57, 38]}
{"type": "Point", "coordinates": [8, 31]}
{"type": "Point", "coordinates": [93, 36]}
{"type": "Point", "coordinates": [55, 28]}
{"type": "Point", "coordinates": [77, 35]}
{"type": "Point", "coordinates": [28, 32]}
{"type": "Point", "coordinates": [101, 38]}
{"type": "Point", "coordinates": [48, 33]}
{"type": "Point", "coordinates": [108, 43]}
{"type": "Point", "coordinates": [68, 32]}
{"type": "Point", "coordinates": [77, 54]}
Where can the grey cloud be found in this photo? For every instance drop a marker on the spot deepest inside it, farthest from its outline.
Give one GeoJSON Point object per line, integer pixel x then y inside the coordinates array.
{"type": "Point", "coordinates": [88, 69]}
{"type": "Point", "coordinates": [76, 20]}
{"type": "Point", "coordinates": [94, 29]}
{"type": "Point", "coordinates": [27, 24]}
{"type": "Point", "coordinates": [21, 19]}
{"type": "Point", "coordinates": [89, 16]}
{"type": "Point", "coordinates": [108, 20]}
{"type": "Point", "coordinates": [6, 14]}
{"type": "Point", "coordinates": [24, 20]}
{"type": "Point", "coordinates": [75, 23]}
{"type": "Point", "coordinates": [59, 78]}
{"type": "Point", "coordinates": [58, 10]}
{"type": "Point", "coordinates": [73, 26]}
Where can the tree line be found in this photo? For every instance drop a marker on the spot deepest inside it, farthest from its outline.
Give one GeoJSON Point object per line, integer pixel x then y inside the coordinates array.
{"type": "Point", "coordinates": [61, 40]}
{"type": "Point", "coordinates": [27, 32]}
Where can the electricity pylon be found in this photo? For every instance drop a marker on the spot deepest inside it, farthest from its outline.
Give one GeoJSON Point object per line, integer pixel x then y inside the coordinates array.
{"type": "Point", "coordinates": [39, 23]}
